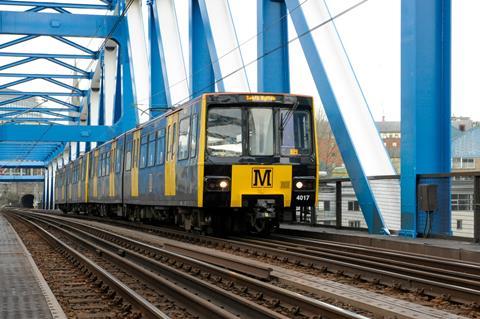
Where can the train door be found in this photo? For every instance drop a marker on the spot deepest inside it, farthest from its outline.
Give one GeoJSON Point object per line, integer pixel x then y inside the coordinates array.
{"type": "Point", "coordinates": [95, 174]}
{"type": "Point", "coordinates": [135, 157]}
{"type": "Point", "coordinates": [171, 158]}
{"type": "Point", "coordinates": [85, 177]}
{"type": "Point", "coordinates": [111, 172]}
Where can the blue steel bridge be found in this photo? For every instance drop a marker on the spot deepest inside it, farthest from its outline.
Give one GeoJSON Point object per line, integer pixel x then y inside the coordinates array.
{"type": "Point", "coordinates": [78, 73]}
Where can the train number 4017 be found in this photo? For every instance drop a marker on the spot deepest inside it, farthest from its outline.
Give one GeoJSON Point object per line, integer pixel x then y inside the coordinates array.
{"type": "Point", "coordinates": [303, 197]}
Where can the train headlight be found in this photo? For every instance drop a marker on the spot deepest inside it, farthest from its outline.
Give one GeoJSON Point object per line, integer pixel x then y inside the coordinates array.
{"type": "Point", "coordinates": [217, 183]}
{"type": "Point", "coordinates": [306, 183]}
{"type": "Point", "coordinates": [223, 184]}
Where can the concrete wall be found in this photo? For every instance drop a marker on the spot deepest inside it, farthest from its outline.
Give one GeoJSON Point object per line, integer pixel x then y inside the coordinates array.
{"type": "Point", "coordinates": [11, 193]}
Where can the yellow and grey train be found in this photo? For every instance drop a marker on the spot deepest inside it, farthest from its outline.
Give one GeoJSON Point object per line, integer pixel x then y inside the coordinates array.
{"type": "Point", "coordinates": [222, 162]}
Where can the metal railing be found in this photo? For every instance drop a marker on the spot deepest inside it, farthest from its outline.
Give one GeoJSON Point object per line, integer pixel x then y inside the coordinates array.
{"type": "Point", "coordinates": [338, 206]}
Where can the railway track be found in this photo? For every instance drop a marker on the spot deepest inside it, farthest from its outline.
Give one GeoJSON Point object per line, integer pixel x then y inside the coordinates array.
{"type": "Point", "coordinates": [372, 304]}
{"type": "Point", "coordinates": [82, 287]}
{"type": "Point", "coordinates": [443, 278]}
{"type": "Point", "coordinates": [241, 295]}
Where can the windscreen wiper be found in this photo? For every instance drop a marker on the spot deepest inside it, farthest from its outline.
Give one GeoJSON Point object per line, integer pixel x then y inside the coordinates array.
{"type": "Point", "coordinates": [287, 117]}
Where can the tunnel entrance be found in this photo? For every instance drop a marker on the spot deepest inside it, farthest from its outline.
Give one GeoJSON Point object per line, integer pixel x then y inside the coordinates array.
{"type": "Point", "coordinates": [27, 200]}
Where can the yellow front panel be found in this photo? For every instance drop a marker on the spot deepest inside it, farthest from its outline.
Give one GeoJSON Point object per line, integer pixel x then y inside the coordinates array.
{"type": "Point", "coordinates": [79, 181]}
{"type": "Point", "coordinates": [111, 184]}
{"type": "Point", "coordinates": [87, 164]}
{"type": "Point", "coordinates": [95, 177]}
{"type": "Point", "coordinates": [201, 151]}
{"type": "Point", "coordinates": [171, 160]}
{"type": "Point", "coordinates": [136, 151]}
{"type": "Point", "coordinates": [261, 180]}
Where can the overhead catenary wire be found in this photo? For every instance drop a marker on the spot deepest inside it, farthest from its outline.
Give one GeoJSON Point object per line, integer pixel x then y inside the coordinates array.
{"type": "Point", "coordinates": [210, 64]}
{"type": "Point", "coordinates": [298, 37]}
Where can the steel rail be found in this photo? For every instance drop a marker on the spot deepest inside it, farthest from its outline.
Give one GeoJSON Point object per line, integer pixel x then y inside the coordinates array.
{"type": "Point", "coordinates": [431, 287]}
{"type": "Point", "coordinates": [298, 304]}
{"type": "Point", "coordinates": [141, 304]}
{"type": "Point", "coordinates": [442, 265]}
{"type": "Point", "coordinates": [217, 303]}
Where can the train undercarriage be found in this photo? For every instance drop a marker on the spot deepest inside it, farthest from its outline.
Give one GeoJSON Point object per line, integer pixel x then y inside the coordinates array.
{"type": "Point", "coordinates": [262, 219]}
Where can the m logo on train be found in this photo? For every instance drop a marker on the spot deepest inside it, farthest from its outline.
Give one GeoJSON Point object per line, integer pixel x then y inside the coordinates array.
{"type": "Point", "coordinates": [262, 177]}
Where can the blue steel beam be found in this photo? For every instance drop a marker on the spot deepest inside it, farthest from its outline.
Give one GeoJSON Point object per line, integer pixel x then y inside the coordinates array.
{"type": "Point", "coordinates": [15, 99]}
{"type": "Point", "coordinates": [273, 68]}
{"type": "Point", "coordinates": [159, 99]}
{"type": "Point", "coordinates": [55, 5]}
{"type": "Point", "coordinates": [48, 55]}
{"type": "Point", "coordinates": [70, 117]}
{"type": "Point", "coordinates": [16, 41]}
{"type": "Point", "coordinates": [74, 44]}
{"type": "Point", "coordinates": [363, 191]}
{"type": "Point", "coordinates": [35, 9]}
{"type": "Point", "coordinates": [129, 115]}
{"type": "Point", "coordinates": [16, 63]}
{"type": "Point", "coordinates": [426, 109]}
{"type": "Point", "coordinates": [201, 70]}
{"type": "Point", "coordinates": [54, 153]}
{"type": "Point", "coordinates": [43, 76]}
{"type": "Point", "coordinates": [22, 164]}
{"type": "Point", "coordinates": [66, 86]}
{"type": "Point", "coordinates": [38, 9]}
{"type": "Point", "coordinates": [69, 105]}
{"type": "Point", "coordinates": [67, 65]}
{"type": "Point", "coordinates": [7, 85]}
{"type": "Point", "coordinates": [54, 24]}
{"type": "Point", "coordinates": [40, 119]}
{"type": "Point", "coordinates": [42, 93]}
{"type": "Point", "coordinates": [56, 133]}
{"type": "Point", "coordinates": [36, 109]}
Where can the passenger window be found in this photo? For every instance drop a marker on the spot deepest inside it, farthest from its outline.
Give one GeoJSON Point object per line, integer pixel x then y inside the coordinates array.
{"type": "Point", "coordinates": [174, 133]}
{"type": "Point", "coordinates": [143, 152]}
{"type": "Point", "coordinates": [184, 128]}
{"type": "Point", "coordinates": [193, 142]}
{"type": "Point", "coordinates": [107, 163]}
{"type": "Point", "coordinates": [169, 142]}
{"type": "Point", "coordinates": [160, 146]}
{"type": "Point", "coordinates": [118, 159]}
{"type": "Point", "coordinates": [100, 162]}
{"type": "Point", "coordinates": [128, 159]}
{"type": "Point", "coordinates": [151, 149]}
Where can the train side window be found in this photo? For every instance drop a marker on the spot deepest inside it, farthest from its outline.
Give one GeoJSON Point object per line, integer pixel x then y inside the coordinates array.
{"type": "Point", "coordinates": [100, 164]}
{"type": "Point", "coordinates": [160, 146]}
{"type": "Point", "coordinates": [128, 159]}
{"type": "Point", "coordinates": [92, 165]}
{"type": "Point", "coordinates": [104, 163]}
{"type": "Point", "coordinates": [143, 151]}
{"type": "Point", "coordinates": [151, 150]}
{"type": "Point", "coordinates": [107, 163]}
{"type": "Point", "coordinates": [174, 133]}
{"type": "Point", "coordinates": [118, 160]}
{"type": "Point", "coordinates": [184, 129]}
{"type": "Point", "coordinates": [193, 142]}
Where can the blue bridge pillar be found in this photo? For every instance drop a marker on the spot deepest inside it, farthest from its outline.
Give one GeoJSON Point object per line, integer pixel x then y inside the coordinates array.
{"type": "Point", "coordinates": [425, 149]}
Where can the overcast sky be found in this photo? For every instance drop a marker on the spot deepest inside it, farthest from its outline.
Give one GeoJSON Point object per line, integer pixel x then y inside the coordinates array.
{"type": "Point", "coordinates": [371, 34]}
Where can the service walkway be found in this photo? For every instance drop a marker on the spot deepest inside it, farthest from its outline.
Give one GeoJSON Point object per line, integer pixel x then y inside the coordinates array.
{"type": "Point", "coordinates": [447, 248]}
{"type": "Point", "coordinates": [23, 291]}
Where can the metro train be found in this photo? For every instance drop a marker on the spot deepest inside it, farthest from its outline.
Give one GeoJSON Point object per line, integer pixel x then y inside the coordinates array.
{"type": "Point", "coordinates": [222, 162]}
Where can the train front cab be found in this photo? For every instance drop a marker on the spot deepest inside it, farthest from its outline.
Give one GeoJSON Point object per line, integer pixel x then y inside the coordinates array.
{"type": "Point", "coordinates": [260, 159]}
